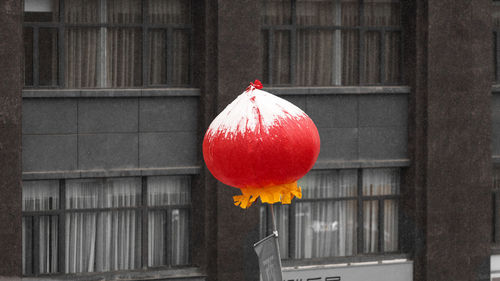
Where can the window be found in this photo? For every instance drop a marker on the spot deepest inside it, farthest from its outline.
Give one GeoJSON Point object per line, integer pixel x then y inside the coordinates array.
{"type": "Point", "coordinates": [97, 225]}
{"type": "Point", "coordinates": [331, 42]}
{"type": "Point", "coordinates": [496, 208]}
{"type": "Point", "coordinates": [496, 39]}
{"type": "Point", "coordinates": [342, 213]}
{"type": "Point", "coordinates": [107, 43]}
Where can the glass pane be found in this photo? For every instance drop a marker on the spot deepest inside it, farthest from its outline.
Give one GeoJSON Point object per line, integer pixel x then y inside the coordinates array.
{"type": "Point", "coordinates": [157, 57]}
{"type": "Point", "coordinates": [265, 56]}
{"type": "Point", "coordinates": [169, 11]}
{"type": "Point", "coordinates": [81, 57]}
{"type": "Point", "coordinates": [124, 57]}
{"type": "Point", "coordinates": [350, 12]}
{"type": "Point", "coordinates": [81, 11]}
{"type": "Point", "coordinates": [103, 241]}
{"type": "Point", "coordinates": [281, 58]}
{"type": "Point", "coordinates": [350, 57]}
{"type": "Point", "coordinates": [370, 226]}
{"type": "Point", "coordinates": [382, 13]}
{"type": "Point", "coordinates": [329, 184]}
{"type": "Point", "coordinates": [392, 57]}
{"type": "Point", "coordinates": [40, 195]}
{"type": "Point", "coordinates": [157, 234]}
{"type": "Point", "coordinates": [314, 12]}
{"type": "Point", "coordinates": [48, 245]}
{"type": "Point", "coordinates": [318, 58]}
{"type": "Point", "coordinates": [27, 248]}
{"type": "Point", "coordinates": [181, 57]}
{"type": "Point", "coordinates": [371, 61]}
{"type": "Point", "coordinates": [169, 190]}
{"type": "Point", "coordinates": [124, 11]}
{"type": "Point", "coordinates": [380, 182]}
{"type": "Point", "coordinates": [390, 226]}
{"type": "Point", "coordinates": [28, 56]}
{"type": "Point", "coordinates": [276, 12]}
{"type": "Point", "coordinates": [97, 193]}
{"type": "Point", "coordinates": [47, 236]}
{"type": "Point", "coordinates": [41, 10]}
{"type": "Point", "coordinates": [325, 229]}
{"type": "Point", "coordinates": [179, 244]}
{"type": "Point", "coordinates": [48, 56]}
{"type": "Point", "coordinates": [496, 14]}
{"type": "Point", "coordinates": [282, 214]}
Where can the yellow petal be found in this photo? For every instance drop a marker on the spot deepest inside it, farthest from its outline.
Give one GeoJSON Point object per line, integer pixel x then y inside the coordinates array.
{"type": "Point", "coordinates": [283, 193]}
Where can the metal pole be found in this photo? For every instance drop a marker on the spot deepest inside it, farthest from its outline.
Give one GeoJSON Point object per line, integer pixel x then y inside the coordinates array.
{"type": "Point", "coordinates": [275, 232]}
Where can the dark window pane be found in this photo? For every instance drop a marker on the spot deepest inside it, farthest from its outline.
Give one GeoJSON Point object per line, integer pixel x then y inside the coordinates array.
{"type": "Point", "coordinates": [81, 57]}
{"type": "Point", "coordinates": [48, 56]}
{"type": "Point", "coordinates": [281, 59]}
{"type": "Point", "coordinates": [350, 57]}
{"type": "Point", "coordinates": [81, 11]}
{"type": "Point", "coordinates": [350, 12]}
{"type": "Point", "coordinates": [124, 57]}
{"type": "Point", "coordinates": [276, 12]}
{"type": "Point", "coordinates": [158, 57]}
{"type": "Point", "coordinates": [371, 62]}
{"type": "Point", "coordinates": [180, 57]}
{"type": "Point", "coordinates": [382, 13]}
{"type": "Point", "coordinates": [265, 56]}
{"type": "Point", "coordinates": [157, 238]}
{"type": "Point", "coordinates": [179, 242]}
{"type": "Point", "coordinates": [124, 11]}
{"type": "Point", "coordinates": [28, 56]}
{"type": "Point", "coordinates": [324, 12]}
{"type": "Point", "coordinates": [169, 11]}
{"type": "Point", "coordinates": [318, 55]}
{"type": "Point", "coordinates": [45, 230]}
{"type": "Point", "coordinates": [41, 10]}
{"type": "Point", "coordinates": [392, 58]}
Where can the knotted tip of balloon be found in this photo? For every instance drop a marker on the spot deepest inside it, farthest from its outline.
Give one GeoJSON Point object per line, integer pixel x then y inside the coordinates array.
{"type": "Point", "coordinates": [255, 85]}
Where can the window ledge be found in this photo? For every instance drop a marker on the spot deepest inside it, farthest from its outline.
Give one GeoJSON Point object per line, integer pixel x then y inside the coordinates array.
{"type": "Point", "coordinates": [351, 164]}
{"type": "Point", "coordinates": [344, 261]}
{"type": "Point", "coordinates": [339, 90]}
{"type": "Point", "coordinates": [187, 274]}
{"type": "Point", "coordinates": [188, 170]}
{"type": "Point", "coordinates": [110, 93]}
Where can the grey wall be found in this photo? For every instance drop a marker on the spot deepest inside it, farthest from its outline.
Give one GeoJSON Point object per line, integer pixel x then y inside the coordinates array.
{"type": "Point", "coordinates": [495, 118]}
{"type": "Point", "coordinates": [358, 127]}
{"type": "Point", "coordinates": [64, 134]}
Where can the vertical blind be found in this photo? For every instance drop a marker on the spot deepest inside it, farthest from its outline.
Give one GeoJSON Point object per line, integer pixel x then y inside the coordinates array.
{"type": "Point", "coordinates": [109, 43]}
{"type": "Point", "coordinates": [324, 223]}
{"type": "Point", "coordinates": [317, 42]}
{"type": "Point", "coordinates": [103, 224]}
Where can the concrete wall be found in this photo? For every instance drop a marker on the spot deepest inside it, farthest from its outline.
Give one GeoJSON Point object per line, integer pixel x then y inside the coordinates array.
{"type": "Point", "coordinates": [78, 134]}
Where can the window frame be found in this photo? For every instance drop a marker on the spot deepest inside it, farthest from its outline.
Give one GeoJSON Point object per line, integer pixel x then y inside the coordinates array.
{"type": "Point", "coordinates": [293, 27]}
{"type": "Point", "coordinates": [143, 211]}
{"type": "Point", "coordinates": [146, 27]}
{"type": "Point", "coordinates": [360, 255]}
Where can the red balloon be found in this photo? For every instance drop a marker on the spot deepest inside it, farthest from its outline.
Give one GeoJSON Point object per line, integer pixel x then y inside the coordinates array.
{"type": "Point", "coordinates": [261, 144]}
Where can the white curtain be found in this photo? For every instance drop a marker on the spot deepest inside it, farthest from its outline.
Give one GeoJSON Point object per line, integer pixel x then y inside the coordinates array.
{"type": "Point", "coordinates": [326, 228]}
{"type": "Point", "coordinates": [380, 182]}
{"type": "Point", "coordinates": [168, 191]}
{"type": "Point", "coordinates": [331, 57]}
{"type": "Point", "coordinates": [106, 240]}
{"type": "Point", "coordinates": [40, 196]}
{"type": "Point", "coordinates": [169, 12]}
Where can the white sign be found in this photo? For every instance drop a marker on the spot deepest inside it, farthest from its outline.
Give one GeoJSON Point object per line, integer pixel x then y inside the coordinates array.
{"type": "Point", "coordinates": [384, 271]}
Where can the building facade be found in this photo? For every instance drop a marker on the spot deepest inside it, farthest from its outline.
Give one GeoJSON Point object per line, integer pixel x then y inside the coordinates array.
{"type": "Point", "coordinates": [105, 103]}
